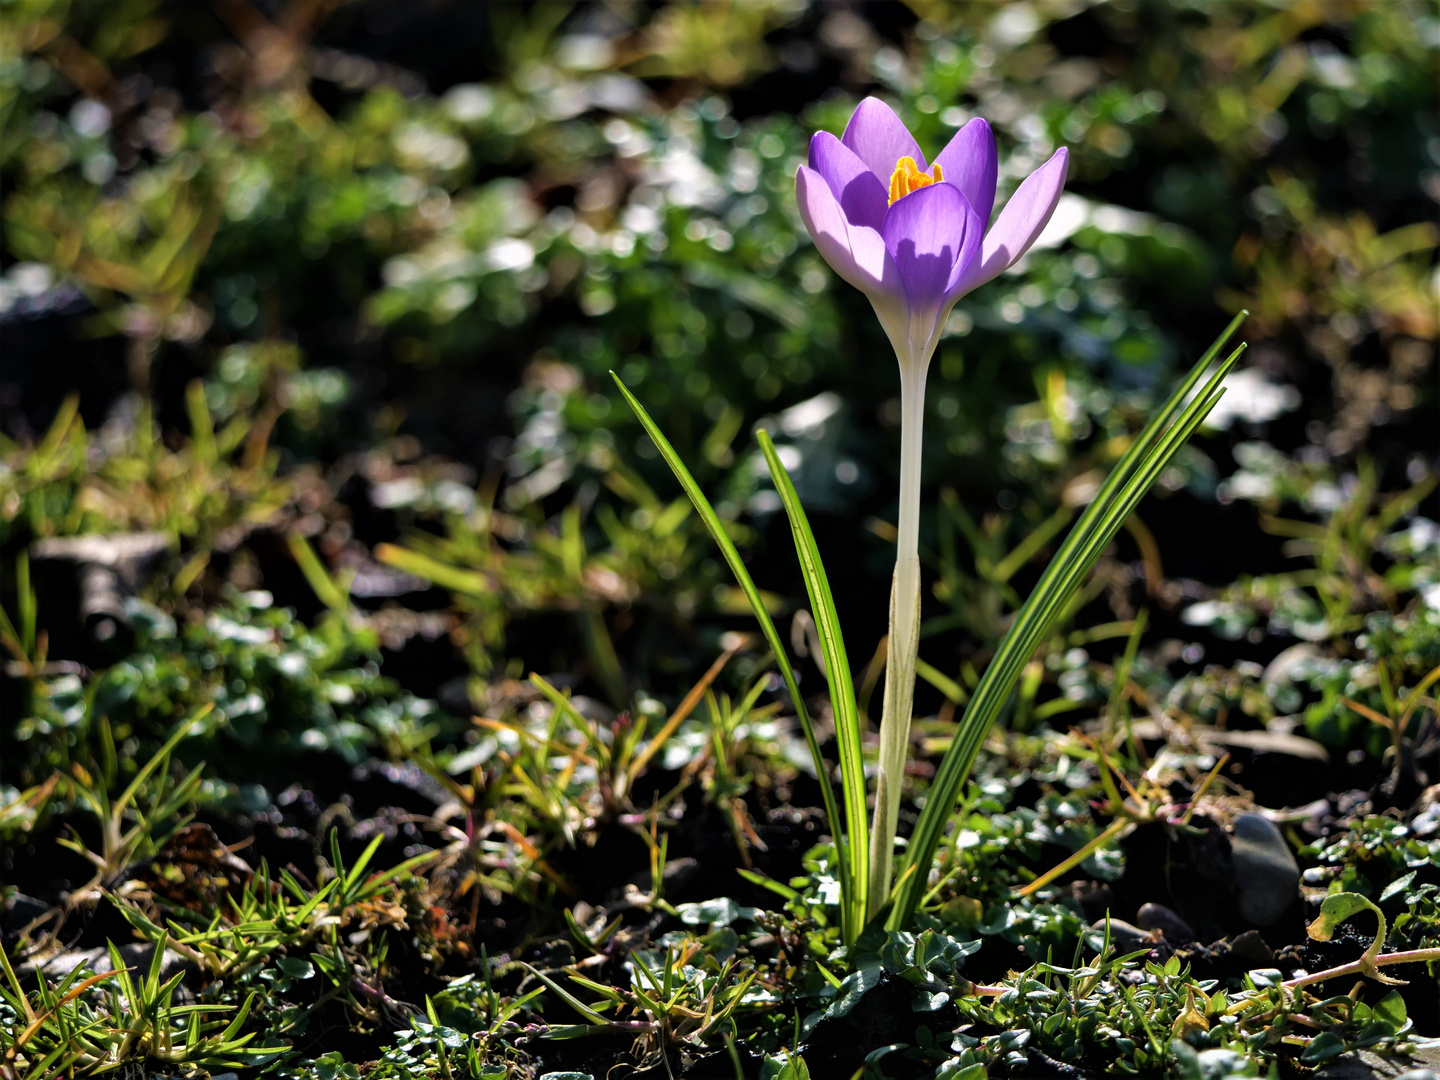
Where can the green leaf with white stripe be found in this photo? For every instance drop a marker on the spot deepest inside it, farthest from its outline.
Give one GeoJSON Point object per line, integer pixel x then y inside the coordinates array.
{"type": "Point", "coordinates": [772, 637]}
{"type": "Point", "coordinates": [837, 673]}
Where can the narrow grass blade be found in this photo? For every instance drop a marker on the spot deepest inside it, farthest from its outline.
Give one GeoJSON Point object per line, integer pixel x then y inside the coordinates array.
{"type": "Point", "coordinates": [25, 596]}
{"type": "Point", "coordinates": [767, 627]}
{"type": "Point", "coordinates": [162, 757]}
{"type": "Point", "coordinates": [684, 709]}
{"type": "Point", "coordinates": [334, 595]}
{"type": "Point", "coordinates": [355, 874]}
{"type": "Point", "coordinates": [942, 682]}
{"type": "Point", "coordinates": [235, 1025]}
{"type": "Point", "coordinates": [454, 578]}
{"type": "Point", "coordinates": [837, 674]}
{"type": "Point", "coordinates": [1122, 491]}
{"type": "Point", "coordinates": [570, 999]}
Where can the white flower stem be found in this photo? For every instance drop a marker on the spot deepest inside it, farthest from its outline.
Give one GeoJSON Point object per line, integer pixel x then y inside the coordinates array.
{"type": "Point", "coordinates": [904, 641]}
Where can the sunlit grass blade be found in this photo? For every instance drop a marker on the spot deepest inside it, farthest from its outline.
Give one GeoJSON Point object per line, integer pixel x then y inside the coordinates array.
{"type": "Point", "coordinates": [161, 757]}
{"type": "Point", "coordinates": [684, 709]}
{"type": "Point", "coordinates": [333, 593]}
{"type": "Point", "coordinates": [1122, 491]}
{"type": "Point", "coordinates": [837, 673]}
{"type": "Point", "coordinates": [767, 627]}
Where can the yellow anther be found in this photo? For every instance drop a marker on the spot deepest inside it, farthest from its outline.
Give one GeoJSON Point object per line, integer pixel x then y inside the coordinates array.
{"type": "Point", "coordinates": [907, 177]}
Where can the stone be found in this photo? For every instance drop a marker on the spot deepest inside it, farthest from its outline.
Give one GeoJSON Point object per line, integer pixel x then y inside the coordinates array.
{"type": "Point", "coordinates": [21, 911]}
{"type": "Point", "coordinates": [675, 876]}
{"type": "Point", "coordinates": [108, 571]}
{"type": "Point", "coordinates": [1367, 1065]}
{"type": "Point", "coordinates": [1159, 917]}
{"type": "Point", "coordinates": [1267, 878]}
{"type": "Point", "coordinates": [1253, 949]}
{"type": "Point", "coordinates": [1267, 742]}
{"type": "Point", "coordinates": [1289, 664]}
{"type": "Point", "coordinates": [1124, 937]}
{"type": "Point", "coordinates": [137, 956]}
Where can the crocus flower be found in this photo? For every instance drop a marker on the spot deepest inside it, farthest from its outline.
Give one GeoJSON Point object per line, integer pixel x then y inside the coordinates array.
{"type": "Point", "coordinates": [914, 239]}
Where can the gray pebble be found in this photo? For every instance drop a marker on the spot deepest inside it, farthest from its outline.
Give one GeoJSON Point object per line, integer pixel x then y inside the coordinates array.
{"type": "Point", "coordinates": [1252, 948]}
{"type": "Point", "coordinates": [676, 875]}
{"type": "Point", "coordinates": [1159, 917]}
{"type": "Point", "coordinates": [136, 955]}
{"type": "Point", "coordinates": [1124, 937]}
{"type": "Point", "coordinates": [1367, 1065]}
{"type": "Point", "coordinates": [1266, 874]}
{"type": "Point", "coordinates": [21, 910]}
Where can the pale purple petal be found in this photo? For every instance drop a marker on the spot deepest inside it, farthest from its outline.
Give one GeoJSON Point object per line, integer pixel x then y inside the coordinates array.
{"type": "Point", "coordinates": [1020, 223]}
{"type": "Point", "coordinates": [970, 248]}
{"type": "Point", "coordinates": [925, 233]}
{"type": "Point", "coordinates": [969, 162]}
{"type": "Point", "coordinates": [914, 259]}
{"type": "Point", "coordinates": [825, 221]}
{"type": "Point", "coordinates": [879, 139]}
{"type": "Point", "coordinates": [873, 261]}
{"type": "Point", "coordinates": [856, 253]}
{"type": "Point", "coordinates": [859, 191]}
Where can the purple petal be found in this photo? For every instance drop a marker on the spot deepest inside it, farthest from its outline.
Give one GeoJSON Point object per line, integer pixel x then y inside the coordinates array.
{"type": "Point", "coordinates": [856, 253]}
{"type": "Point", "coordinates": [969, 255]}
{"type": "Point", "coordinates": [879, 139]}
{"type": "Point", "coordinates": [825, 221]}
{"type": "Point", "coordinates": [862, 196]}
{"type": "Point", "coordinates": [1020, 223]}
{"type": "Point", "coordinates": [969, 162]}
{"type": "Point", "coordinates": [925, 233]}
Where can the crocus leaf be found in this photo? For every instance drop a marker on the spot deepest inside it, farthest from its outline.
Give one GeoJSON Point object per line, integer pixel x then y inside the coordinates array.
{"type": "Point", "coordinates": [1122, 491]}
{"type": "Point", "coordinates": [772, 638]}
{"type": "Point", "coordinates": [837, 673]}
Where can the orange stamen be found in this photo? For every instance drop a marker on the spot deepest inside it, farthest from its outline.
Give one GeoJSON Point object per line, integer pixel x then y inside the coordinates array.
{"type": "Point", "coordinates": [907, 177]}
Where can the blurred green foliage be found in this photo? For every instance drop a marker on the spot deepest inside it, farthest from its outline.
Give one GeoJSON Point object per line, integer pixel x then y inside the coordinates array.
{"type": "Point", "coordinates": [124, 478]}
{"type": "Point", "coordinates": [557, 205]}
{"type": "Point", "coordinates": [558, 208]}
{"type": "Point", "coordinates": [590, 201]}
{"type": "Point", "coordinates": [280, 691]}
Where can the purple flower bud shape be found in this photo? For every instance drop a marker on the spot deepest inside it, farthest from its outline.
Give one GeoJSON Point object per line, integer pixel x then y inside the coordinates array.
{"type": "Point", "coordinates": [910, 237]}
